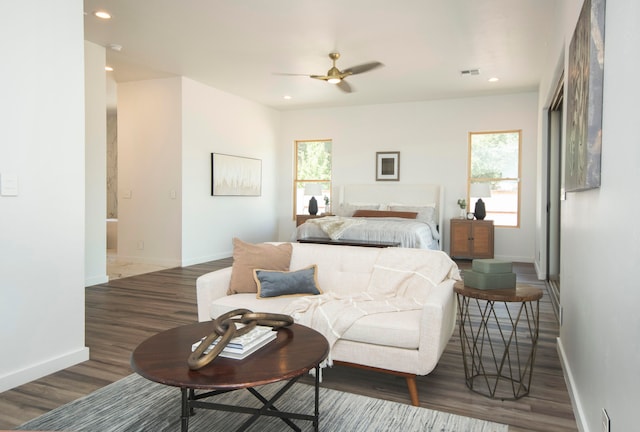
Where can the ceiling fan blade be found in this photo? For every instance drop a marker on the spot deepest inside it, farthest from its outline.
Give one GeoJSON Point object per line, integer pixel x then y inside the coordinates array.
{"type": "Point", "coordinates": [344, 86]}
{"type": "Point", "coordinates": [366, 67]}
{"type": "Point", "coordinates": [320, 77]}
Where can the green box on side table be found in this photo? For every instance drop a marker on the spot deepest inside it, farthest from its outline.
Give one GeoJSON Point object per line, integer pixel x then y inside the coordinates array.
{"type": "Point", "coordinates": [491, 266]}
{"type": "Point", "coordinates": [487, 281]}
{"type": "Point", "coordinates": [489, 274]}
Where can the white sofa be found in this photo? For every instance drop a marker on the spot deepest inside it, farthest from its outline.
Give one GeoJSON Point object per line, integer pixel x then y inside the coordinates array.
{"type": "Point", "coordinates": [405, 343]}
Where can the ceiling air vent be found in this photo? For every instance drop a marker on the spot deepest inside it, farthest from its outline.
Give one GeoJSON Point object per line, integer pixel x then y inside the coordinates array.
{"type": "Point", "coordinates": [470, 72]}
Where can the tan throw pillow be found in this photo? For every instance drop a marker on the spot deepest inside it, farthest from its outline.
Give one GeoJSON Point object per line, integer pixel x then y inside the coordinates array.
{"type": "Point", "coordinates": [248, 256]}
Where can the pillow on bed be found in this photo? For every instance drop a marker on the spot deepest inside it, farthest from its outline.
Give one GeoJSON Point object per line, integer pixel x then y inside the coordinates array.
{"type": "Point", "coordinates": [348, 209]}
{"type": "Point", "coordinates": [425, 213]}
{"type": "Point", "coordinates": [385, 213]}
{"type": "Point", "coordinates": [247, 257]}
{"type": "Point", "coordinates": [283, 283]}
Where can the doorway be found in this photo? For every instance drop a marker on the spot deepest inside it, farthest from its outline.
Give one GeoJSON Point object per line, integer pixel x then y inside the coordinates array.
{"type": "Point", "coordinates": [554, 194]}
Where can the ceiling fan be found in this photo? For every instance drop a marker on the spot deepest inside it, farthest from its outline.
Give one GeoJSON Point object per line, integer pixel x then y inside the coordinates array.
{"type": "Point", "coordinates": [336, 76]}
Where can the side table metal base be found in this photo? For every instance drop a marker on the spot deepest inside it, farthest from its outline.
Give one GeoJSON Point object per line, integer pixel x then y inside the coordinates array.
{"type": "Point", "coordinates": [499, 340]}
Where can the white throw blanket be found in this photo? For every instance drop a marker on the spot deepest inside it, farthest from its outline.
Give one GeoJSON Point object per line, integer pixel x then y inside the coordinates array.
{"type": "Point", "coordinates": [399, 282]}
{"type": "Point", "coordinates": [335, 226]}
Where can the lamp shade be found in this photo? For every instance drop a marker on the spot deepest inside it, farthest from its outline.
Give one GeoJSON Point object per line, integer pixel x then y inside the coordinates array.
{"type": "Point", "coordinates": [480, 190]}
{"type": "Point", "coordinates": [312, 189]}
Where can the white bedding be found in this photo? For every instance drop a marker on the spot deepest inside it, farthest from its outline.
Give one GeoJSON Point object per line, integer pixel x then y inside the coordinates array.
{"type": "Point", "coordinates": [410, 233]}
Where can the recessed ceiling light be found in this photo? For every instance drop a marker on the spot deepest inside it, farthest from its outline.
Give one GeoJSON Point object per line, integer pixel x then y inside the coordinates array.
{"type": "Point", "coordinates": [494, 79]}
{"type": "Point", "coordinates": [287, 97]}
{"type": "Point", "coordinates": [102, 14]}
{"type": "Point", "coordinates": [108, 68]}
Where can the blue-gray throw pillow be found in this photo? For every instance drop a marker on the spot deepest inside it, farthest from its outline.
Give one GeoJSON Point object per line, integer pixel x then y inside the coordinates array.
{"type": "Point", "coordinates": [287, 283]}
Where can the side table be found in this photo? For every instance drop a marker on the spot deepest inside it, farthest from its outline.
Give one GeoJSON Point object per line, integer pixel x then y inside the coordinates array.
{"type": "Point", "coordinates": [499, 336]}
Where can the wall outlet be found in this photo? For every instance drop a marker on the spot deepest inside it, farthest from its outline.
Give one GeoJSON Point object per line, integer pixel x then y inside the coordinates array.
{"type": "Point", "coordinates": [606, 421]}
{"type": "Point", "coordinates": [140, 245]}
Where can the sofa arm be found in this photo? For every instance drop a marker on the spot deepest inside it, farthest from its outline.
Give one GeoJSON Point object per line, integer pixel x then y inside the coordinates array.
{"type": "Point", "coordinates": [437, 325]}
{"type": "Point", "coordinates": [211, 286]}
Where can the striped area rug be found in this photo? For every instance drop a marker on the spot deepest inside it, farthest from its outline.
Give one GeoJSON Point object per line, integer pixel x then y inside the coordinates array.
{"type": "Point", "coordinates": [136, 404]}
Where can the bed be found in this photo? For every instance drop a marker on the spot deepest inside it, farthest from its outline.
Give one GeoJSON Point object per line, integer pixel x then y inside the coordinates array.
{"type": "Point", "coordinates": [408, 215]}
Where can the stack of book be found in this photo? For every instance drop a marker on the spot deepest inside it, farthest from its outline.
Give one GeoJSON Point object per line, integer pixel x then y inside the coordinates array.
{"type": "Point", "coordinates": [242, 346]}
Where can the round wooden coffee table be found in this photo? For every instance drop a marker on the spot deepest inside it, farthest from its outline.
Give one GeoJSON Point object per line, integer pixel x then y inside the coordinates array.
{"type": "Point", "coordinates": [296, 350]}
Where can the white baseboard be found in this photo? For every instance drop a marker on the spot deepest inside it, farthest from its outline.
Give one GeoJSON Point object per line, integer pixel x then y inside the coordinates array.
{"type": "Point", "coordinates": [203, 259]}
{"type": "Point", "coordinates": [520, 259]}
{"type": "Point", "coordinates": [23, 376]}
{"type": "Point", "coordinates": [145, 260]}
{"type": "Point", "coordinates": [539, 271]}
{"type": "Point", "coordinates": [573, 393]}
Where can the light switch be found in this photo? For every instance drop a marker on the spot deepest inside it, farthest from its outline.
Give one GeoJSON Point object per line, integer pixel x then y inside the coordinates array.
{"type": "Point", "coordinates": [9, 185]}
{"type": "Point", "coordinates": [126, 194]}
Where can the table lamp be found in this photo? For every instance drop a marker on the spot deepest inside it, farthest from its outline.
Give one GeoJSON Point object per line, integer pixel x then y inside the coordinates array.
{"type": "Point", "coordinates": [480, 190]}
{"type": "Point", "coordinates": [313, 189]}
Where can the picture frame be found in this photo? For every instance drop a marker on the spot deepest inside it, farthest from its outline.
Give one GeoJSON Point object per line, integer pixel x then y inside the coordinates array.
{"type": "Point", "coordinates": [387, 166]}
{"type": "Point", "coordinates": [235, 175]}
{"type": "Point", "coordinates": [584, 99]}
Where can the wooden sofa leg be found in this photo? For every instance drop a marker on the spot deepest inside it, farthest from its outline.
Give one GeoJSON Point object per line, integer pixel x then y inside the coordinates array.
{"type": "Point", "coordinates": [411, 379]}
{"type": "Point", "coordinates": [413, 390]}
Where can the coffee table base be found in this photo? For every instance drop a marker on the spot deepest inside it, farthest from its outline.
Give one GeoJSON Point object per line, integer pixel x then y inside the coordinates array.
{"type": "Point", "coordinates": [191, 400]}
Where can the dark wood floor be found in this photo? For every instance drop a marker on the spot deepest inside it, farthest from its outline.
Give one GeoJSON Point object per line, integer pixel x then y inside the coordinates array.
{"type": "Point", "coordinates": [124, 312]}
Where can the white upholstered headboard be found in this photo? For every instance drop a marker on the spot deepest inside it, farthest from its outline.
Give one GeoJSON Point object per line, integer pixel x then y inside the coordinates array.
{"type": "Point", "coordinates": [406, 194]}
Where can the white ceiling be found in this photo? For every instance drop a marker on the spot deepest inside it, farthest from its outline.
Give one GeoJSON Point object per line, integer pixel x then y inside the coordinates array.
{"type": "Point", "coordinates": [238, 46]}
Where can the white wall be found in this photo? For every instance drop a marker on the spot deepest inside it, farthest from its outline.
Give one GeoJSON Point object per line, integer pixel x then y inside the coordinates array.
{"type": "Point", "coordinates": [599, 339]}
{"type": "Point", "coordinates": [149, 171]}
{"type": "Point", "coordinates": [167, 130]}
{"type": "Point", "coordinates": [218, 122]}
{"type": "Point", "coordinates": [95, 165]}
{"type": "Point", "coordinates": [42, 235]}
{"type": "Point", "coordinates": [432, 138]}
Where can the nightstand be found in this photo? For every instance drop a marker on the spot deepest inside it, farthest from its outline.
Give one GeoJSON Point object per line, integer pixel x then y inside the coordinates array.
{"type": "Point", "coordinates": [471, 238]}
{"type": "Point", "coordinates": [302, 218]}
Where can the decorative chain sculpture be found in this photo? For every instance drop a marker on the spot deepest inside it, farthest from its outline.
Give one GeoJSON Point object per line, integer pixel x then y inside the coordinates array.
{"type": "Point", "coordinates": [225, 329]}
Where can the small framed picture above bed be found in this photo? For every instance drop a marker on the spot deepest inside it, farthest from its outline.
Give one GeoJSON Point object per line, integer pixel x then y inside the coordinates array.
{"type": "Point", "coordinates": [387, 166]}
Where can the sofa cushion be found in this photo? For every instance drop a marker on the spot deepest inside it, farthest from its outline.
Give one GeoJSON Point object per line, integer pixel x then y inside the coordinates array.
{"type": "Point", "coordinates": [342, 269]}
{"type": "Point", "coordinates": [396, 329]}
{"type": "Point", "coordinates": [247, 301]}
{"type": "Point", "coordinates": [247, 257]}
{"type": "Point", "coordinates": [288, 283]}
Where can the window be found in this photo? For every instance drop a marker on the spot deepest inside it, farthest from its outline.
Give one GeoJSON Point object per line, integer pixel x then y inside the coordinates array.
{"type": "Point", "coordinates": [312, 166]}
{"type": "Point", "coordinates": [494, 160]}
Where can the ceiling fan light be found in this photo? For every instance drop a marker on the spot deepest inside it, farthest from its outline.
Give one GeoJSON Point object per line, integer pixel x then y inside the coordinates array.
{"type": "Point", "coordinates": [102, 14]}
{"type": "Point", "coordinates": [334, 80]}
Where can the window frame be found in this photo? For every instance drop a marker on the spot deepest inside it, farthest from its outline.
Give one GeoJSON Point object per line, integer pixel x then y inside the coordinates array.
{"type": "Point", "coordinates": [517, 179]}
{"type": "Point", "coordinates": [296, 180]}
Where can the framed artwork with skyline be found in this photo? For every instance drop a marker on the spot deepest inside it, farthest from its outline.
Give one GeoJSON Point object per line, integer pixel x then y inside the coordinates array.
{"type": "Point", "coordinates": [235, 175]}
